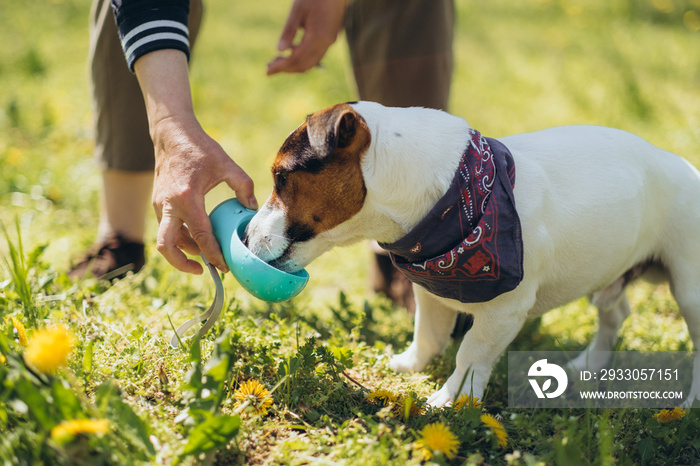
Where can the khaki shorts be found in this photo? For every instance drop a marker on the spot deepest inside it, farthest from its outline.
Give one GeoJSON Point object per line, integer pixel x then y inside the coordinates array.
{"type": "Point", "coordinates": [122, 140]}
{"type": "Point", "coordinates": [401, 53]}
{"type": "Point", "coordinates": [401, 50]}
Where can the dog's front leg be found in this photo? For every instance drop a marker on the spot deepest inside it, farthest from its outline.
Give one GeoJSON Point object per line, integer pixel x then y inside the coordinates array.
{"type": "Point", "coordinates": [433, 324]}
{"type": "Point", "coordinates": [492, 332]}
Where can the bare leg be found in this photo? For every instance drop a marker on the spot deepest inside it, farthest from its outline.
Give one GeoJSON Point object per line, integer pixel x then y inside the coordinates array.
{"type": "Point", "coordinates": [125, 204]}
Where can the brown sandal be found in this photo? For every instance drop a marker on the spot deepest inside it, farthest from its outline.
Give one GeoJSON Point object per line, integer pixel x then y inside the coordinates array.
{"type": "Point", "coordinates": [111, 259]}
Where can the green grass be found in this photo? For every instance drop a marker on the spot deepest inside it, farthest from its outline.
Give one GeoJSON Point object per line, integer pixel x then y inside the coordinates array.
{"type": "Point", "coordinates": [521, 66]}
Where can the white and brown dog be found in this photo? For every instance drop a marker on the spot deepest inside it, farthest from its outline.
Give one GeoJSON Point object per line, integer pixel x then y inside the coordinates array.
{"type": "Point", "coordinates": [598, 207]}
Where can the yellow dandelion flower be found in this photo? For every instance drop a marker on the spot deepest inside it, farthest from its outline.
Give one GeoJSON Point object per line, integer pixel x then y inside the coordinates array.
{"type": "Point", "coordinates": [668, 415]}
{"type": "Point", "coordinates": [21, 331]}
{"type": "Point", "coordinates": [49, 349]}
{"type": "Point", "coordinates": [468, 401]}
{"type": "Point", "coordinates": [66, 430]}
{"type": "Point", "coordinates": [399, 408]}
{"type": "Point", "coordinates": [255, 394]}
{"type": "Point", "coordinates": [497, 428]}
{"type": "Point", "coordinates": [3, 359]}
{"type": "Point", "coordinates": [383, 397]}
{"type": "Point", "coordinates": [437, 438]}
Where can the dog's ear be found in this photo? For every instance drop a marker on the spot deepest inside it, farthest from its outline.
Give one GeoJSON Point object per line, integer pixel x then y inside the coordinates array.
{"type": "Point", "coordinates": [331, 129]}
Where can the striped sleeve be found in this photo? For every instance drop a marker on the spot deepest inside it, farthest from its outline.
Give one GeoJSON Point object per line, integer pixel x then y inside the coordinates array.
{"type": "Point", "coordinates": [149, 25]}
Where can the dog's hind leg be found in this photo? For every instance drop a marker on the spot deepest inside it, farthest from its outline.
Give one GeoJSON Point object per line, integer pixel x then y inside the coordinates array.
{"type": "Point", "coordinates": [433, 324]}
{"type": "Point", "coordinates": [687, 294]}
{"type": "Point", "coordinates": [613, 309]}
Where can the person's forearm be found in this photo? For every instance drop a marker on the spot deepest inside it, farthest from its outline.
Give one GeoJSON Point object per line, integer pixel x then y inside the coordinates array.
{"type": "Point", "coordinates": [164, 80]}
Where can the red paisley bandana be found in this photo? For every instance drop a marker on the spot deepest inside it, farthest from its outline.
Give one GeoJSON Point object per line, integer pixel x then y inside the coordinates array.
{"type": "Point", "coordinates": [469, 247]}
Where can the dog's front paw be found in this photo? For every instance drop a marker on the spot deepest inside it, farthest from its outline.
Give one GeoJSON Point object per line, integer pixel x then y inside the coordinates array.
{"type": "Point", "coordinates": [472, 383]}
{"type": "Point", "coordinates": [408, 361]}
{"type": "Point", "coordinates": [441, 398]}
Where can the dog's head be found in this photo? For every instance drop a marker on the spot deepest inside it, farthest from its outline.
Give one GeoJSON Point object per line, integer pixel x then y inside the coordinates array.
{"type": "Point", "coordinates": [318, 187]}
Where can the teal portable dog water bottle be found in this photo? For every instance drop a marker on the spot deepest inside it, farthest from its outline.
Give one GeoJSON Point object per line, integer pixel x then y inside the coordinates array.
{"type": "Point", "coordinates": [229, 221]}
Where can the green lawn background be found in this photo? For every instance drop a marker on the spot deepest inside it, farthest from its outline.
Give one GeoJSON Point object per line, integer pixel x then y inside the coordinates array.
{"type": "Point", "coordinates": [520, 66]}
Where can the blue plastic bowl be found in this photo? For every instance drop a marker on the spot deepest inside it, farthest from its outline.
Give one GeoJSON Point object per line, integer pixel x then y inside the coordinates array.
{"type": "Point", "coordinates": [229, 221]}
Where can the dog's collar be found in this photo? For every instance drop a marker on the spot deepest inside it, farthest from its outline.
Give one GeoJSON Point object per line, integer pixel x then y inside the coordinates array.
{"type": "Point", "coordinates": [469, 246]}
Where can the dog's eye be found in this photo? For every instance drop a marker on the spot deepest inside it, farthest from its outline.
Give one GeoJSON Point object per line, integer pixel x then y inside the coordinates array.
{"type": "Point", "coordinates": [280, 180]}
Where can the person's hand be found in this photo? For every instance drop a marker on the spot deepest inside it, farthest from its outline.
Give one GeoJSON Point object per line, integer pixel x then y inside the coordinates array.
{"type": "Point", "coordinates": [188, 163]}
{"type": "Point", "coordinates": [321, 21]}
